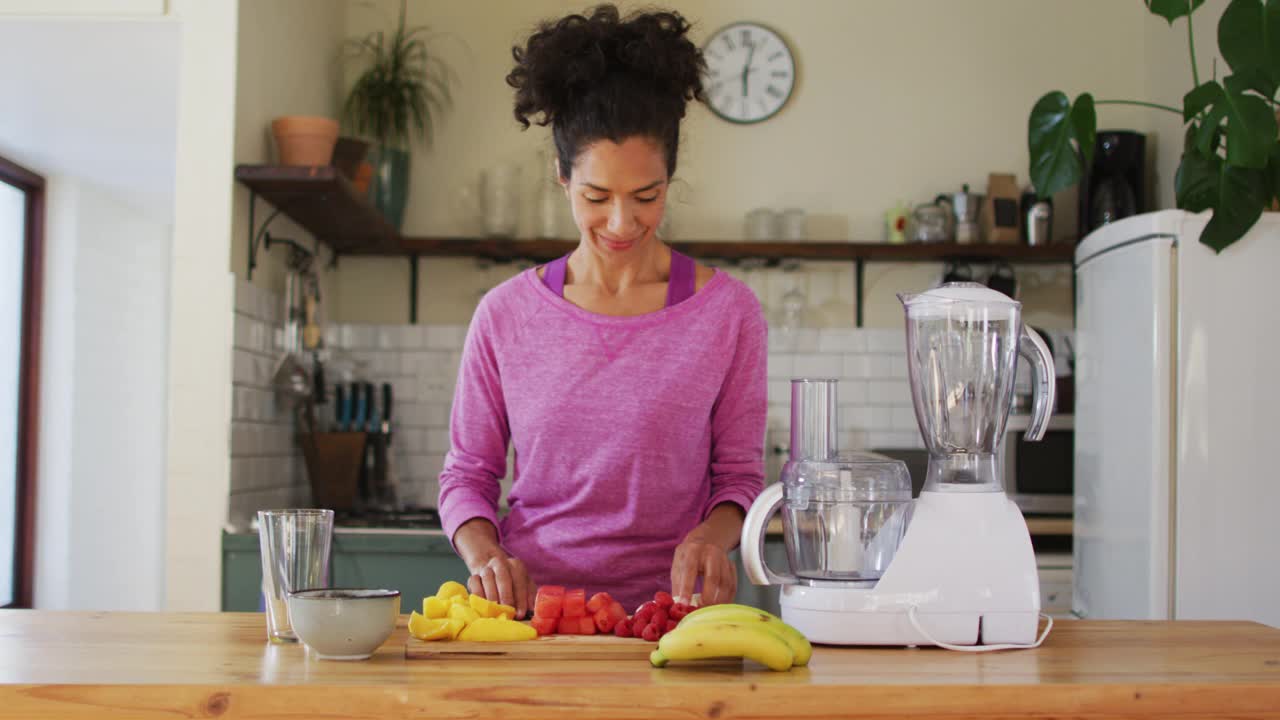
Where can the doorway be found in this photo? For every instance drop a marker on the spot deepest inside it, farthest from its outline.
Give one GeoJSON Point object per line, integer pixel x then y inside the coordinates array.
{"type": "Point", "coordinates": [21, 254]}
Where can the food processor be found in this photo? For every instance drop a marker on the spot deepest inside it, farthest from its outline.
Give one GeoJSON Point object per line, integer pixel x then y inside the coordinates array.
{"type": "Point", "coordinates": [954, 568]}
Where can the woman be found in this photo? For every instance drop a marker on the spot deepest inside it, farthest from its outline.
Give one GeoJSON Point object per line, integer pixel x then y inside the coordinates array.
{"type": "Point", "coordinates": [630, 380]}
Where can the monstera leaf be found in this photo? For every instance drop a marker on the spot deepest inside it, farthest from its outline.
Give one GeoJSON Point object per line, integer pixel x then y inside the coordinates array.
{"type": "Point", "coordinates": [1060, 137]}
{"type": "Point", "coordinates": [1251, 123]}
{"type": "Point", "coordinates": [1249, 39]}
{"type": "Point", "coordinates": [1173, 9]}
{"type": "Point", "coordinates": [1236, 195]}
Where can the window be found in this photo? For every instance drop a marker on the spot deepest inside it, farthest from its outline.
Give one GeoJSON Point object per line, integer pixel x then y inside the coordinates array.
{"type": "Point", "coordinates": [21, 240]}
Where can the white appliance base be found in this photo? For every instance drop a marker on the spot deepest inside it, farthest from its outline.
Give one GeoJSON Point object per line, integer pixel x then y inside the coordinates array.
{"type": "Point", "coordinates": [893, 627]}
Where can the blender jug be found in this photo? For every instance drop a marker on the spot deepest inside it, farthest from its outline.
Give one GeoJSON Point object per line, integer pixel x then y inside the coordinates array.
{"type": "Point", "coordinates": [843, 515]}
{"type": "Point", "coordinates": [963, 340]}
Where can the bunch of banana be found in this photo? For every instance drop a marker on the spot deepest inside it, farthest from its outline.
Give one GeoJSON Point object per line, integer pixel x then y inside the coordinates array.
{"type": "Point", "coordinates": [738, 631]}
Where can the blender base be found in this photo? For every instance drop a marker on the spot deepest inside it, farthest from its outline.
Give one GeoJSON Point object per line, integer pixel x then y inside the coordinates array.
{"type": "Point", "coordinates": [965, 565]}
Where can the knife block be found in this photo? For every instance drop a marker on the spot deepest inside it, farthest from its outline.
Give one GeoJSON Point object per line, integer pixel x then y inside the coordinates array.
{"type": "Point", "coordinates": [333, 467]}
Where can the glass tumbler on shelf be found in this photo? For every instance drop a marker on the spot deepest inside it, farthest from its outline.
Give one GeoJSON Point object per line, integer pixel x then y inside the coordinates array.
{"type": "Point", "coordinates": [295, 556]}
{"type": "Point", "coordinates": [762, 225]}
{"type": "Point", "coordinates": [500, 200]}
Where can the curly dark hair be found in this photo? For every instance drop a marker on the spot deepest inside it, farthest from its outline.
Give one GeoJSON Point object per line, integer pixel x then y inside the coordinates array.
{"type": "Point", "coordinates": [602, 76]}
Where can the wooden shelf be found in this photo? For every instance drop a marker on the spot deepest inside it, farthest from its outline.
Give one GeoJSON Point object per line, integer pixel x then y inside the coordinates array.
{"type": "Point", "coordinates": [324, 203]}
{"type": "Point", "coordinates": [542, 250]}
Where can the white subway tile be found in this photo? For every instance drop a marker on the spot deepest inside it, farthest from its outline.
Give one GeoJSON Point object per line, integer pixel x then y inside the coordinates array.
{"type": "Point", "coordinates": [856, 418]}
{"type": "Point", "coordinates": [435, 391]}
{"type": "Point", "coordinates": [904, 418]}
{"type": "Point", "coordinates": [853, 440]}
{"type": "Point", "coordinates": [804, 340]}
{"type": "Point", "coordinates": [436, 414]}
{"type": "Point", "coordinates": [243, 296]}
{"type": "Point", "coordinates": [333, 336]}
{"type": "Point", "coordinates": [779, 392]}
{"type": "Point", "coordinates": [387, 337]}
{"type": "Point", "coordinates": [437, 441]}
{"type": "Point", "coordinates": [445, 337]}
{"type": "Point", "coordinates": [242, 368]}
{"type": "Point", "coordinates": [840, 340]}
{"type": "Point", "coordinates": [818, 366]}
{"type": "Point", "coordinates": [851, 392]}
{"type": "Point", "coordinates": [899, 366]}
{"type": "Point", "coordinates": [885, 340]}
{"type": "Point", "coordinates": [779, 415]}
{"type": "Point", "coordinates": [889, 392]}
{"type": "Point", "coordinates": [781, 365]}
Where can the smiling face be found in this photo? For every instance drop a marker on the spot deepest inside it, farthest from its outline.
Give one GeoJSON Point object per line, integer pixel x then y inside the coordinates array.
{"type": "Point", "coordinates": [618, 192]}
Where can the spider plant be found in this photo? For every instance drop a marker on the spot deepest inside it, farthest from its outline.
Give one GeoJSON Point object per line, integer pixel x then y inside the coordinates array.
{"type": "Point", "coordinates": [402, 88]}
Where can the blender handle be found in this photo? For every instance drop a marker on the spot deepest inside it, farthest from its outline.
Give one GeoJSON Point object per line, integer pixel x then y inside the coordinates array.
{"type": "Point", "coordinates": [1032, 346]}
{"type": "Point", "coordinates": [753, 534]}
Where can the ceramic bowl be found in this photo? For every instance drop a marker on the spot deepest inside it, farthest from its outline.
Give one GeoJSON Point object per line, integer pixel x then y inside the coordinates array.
{"type": "Point", "coordinates": [341, 623]}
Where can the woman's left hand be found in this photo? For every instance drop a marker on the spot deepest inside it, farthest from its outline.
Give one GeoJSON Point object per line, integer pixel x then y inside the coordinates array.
{"type": "Point", "coordinates": [696, 557]}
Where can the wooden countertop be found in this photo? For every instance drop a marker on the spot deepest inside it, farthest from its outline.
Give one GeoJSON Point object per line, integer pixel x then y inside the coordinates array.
{"type": "Point", "coordinates": [158, 665]}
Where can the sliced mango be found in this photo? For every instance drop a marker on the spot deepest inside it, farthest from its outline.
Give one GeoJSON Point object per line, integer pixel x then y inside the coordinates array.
{"type": "Point", "coordinates": [499, 610]}
{"type": "Point", "coordinates": [455, 627]}
{"type": "Point", "coordinates": [450, 589]}
{"type": "Point", "coordinates": [459, 600]}
{"type": "Point", "coordinates": [425, 628]}
{"type": "Point", "coordinates": [435, 607]}
{"type": "Point", "coordinates": [464, 613]}
{"type": "Point", "coordinates": [497, 630]}
{"type": "Point", "coordinates": [481, 606]}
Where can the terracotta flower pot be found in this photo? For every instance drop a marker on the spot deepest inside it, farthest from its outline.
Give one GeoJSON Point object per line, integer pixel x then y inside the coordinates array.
{"type": "Point", "coordinates": [303, 140]}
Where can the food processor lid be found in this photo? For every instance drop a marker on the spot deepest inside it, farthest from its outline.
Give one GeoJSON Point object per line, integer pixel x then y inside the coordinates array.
{"type": "Point", "coordinates": [849, 476]}
{"type": "Point", "coordinates": [945, 299]}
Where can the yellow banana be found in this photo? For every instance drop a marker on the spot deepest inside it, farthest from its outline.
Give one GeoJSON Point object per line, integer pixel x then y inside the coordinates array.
{"type": "Point", "coordinates": [730, 612]}
{"type": "Point", "coordinates": [702, 641]}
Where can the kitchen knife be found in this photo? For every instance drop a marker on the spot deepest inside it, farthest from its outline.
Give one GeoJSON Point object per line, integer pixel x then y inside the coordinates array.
{"type": "Point", "coordinates": [338, 397]}
{"type": "Point", "coordinates": [386, 412]}
{"type": "Point", "coordinates": [358, 415]}
{"type": "Point", "coordinates": [371, 420]}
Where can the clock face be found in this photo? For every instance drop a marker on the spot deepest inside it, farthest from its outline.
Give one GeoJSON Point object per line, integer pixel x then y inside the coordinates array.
{"type": "Point", "coordinates": [750, 72]}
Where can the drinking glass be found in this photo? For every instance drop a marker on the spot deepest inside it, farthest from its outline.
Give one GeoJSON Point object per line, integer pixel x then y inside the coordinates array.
{"type": "Point", "coordinates": [295, 556]}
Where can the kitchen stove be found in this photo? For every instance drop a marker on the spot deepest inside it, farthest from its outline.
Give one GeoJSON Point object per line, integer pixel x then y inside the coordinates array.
{"type": "Point", "coordinates": [409, 518]}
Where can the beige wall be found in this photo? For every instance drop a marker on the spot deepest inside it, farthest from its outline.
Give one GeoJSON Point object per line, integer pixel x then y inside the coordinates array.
{"type": "Point", "coordinates": [286, 64]}
{"type": "Point", "coordinates": [896, 100]}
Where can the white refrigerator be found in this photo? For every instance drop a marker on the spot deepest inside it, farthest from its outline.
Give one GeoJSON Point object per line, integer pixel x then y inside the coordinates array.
{"type": "Point", "coordinates": [1177, 421]}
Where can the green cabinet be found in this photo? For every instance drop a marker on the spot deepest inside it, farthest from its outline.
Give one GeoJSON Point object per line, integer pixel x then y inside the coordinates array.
{"type": "Point", "coordinates": [414, 564]}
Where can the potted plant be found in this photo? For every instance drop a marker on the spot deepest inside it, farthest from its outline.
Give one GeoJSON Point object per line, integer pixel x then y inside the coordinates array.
{"type": "Point", "coordinates": [400, 89]}
{"type": "Point", "coordinates": [1230, 156]}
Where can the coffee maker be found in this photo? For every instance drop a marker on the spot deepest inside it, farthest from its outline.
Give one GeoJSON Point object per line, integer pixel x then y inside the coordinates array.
{"type": "Point", "coordinates": [1114, 187]}
{"type": "Point", "coordinates": [954, 568]}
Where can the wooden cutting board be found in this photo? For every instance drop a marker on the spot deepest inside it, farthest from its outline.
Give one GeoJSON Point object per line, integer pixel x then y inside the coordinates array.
{"type": "Point", "coordinates": [550, 647]}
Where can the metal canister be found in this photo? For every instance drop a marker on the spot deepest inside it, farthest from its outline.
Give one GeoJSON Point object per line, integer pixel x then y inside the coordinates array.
{"type": "Point", "coordinates": [1039, 223]}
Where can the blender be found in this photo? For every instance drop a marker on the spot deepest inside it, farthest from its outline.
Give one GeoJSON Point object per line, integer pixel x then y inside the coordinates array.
{"type": "Point", "coordinates": [954, 568]}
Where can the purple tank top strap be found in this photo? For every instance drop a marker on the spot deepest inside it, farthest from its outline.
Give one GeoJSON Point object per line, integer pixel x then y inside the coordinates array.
{"type": "Point", "coordinates": [682, 280]}
{"type": "Point", "coordinates": [553, 275]}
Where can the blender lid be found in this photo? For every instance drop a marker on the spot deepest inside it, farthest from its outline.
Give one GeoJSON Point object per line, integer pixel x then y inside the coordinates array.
{"type": "Point", "coordinates": [944, 297]}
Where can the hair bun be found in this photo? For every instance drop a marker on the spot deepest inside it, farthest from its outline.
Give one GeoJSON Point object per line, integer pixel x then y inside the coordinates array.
{"type": "Point", "coordinates": [567, 61]}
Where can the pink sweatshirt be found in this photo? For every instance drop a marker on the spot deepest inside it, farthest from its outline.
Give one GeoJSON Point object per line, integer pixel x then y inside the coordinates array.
{"type": "Point", "coordinates": [627, 430]}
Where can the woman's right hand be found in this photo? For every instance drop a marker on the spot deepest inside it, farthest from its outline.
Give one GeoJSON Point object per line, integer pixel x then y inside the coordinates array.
{"type": "Point", "coordinates": [503, 579]}
{"type": "Point", "coordinates": [495, 575]}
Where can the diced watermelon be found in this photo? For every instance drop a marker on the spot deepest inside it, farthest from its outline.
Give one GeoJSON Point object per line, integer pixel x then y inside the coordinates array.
{"type": "Point", "coordinates": [549, 601]}
{"type": "Point", "coordinates": [568, 626]}
{"type": "Point", "coordinates": [586, 625]}
{"type": "Point", "coordinates": [623, 629]}
{"type": "Point", "coordinates": [651, 633]}
{"type": "Point", "coordinates": [545, 626]}
{"type": "Point", "coordinates": [575, 603]}
{"type": "Point", "coordinates": [598, 601]}
{"type": "Point", "coordinates": [671, 625]}
{"type": "Point", "coordinates": [679, 610]}
{"type": "Point", "coordinates": [663, 598]}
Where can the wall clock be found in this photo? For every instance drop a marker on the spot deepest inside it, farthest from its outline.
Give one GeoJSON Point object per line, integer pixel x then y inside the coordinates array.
{"type": "Point", "coordinates": [750, 72]}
